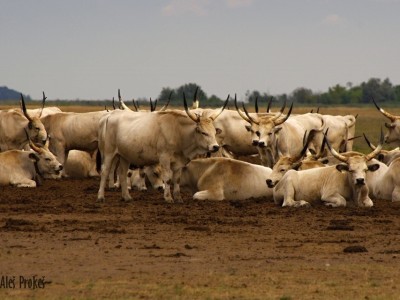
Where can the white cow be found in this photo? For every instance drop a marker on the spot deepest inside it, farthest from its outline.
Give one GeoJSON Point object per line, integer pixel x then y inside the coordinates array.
{"type": "Point", "coordinates": [384, 184]}
{"type": "Point", "coordinates": [137, 178]}
{"type": "Point", "coordinates": [81, 164]}
{"type": "Point", "coordinates": [72, 131]}
{"type": "Point", "coordinates": [393, 135]}
{"type": "Point", "coordinates": [221, 178]}
{"type": "Point", "coordinates": [14, 124]}
{"type": "Point", "coordinates": [24, 168]}
{"type": "Point", "coordinates": [334, 185]}
{"type": "Point", "coordinates": [171, 138]}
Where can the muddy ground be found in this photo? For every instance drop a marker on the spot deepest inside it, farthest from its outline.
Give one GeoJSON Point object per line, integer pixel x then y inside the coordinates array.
{"type": "Point", "coordinates": [149, 249]}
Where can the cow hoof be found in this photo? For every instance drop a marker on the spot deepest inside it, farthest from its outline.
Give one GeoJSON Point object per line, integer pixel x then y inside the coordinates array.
{"type": "Point", "coordinates": [100, 200]}
{"type": "Point", "coordinates": [126, 199]}
{"type": "Point", "coordinates": [169, 200]}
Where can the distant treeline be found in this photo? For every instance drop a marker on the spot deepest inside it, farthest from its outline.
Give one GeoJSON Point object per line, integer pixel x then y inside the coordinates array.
{"type": "Point", "coordinates": [374, 88]}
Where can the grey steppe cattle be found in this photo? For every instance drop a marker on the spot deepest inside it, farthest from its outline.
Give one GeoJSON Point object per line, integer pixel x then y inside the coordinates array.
{"type": "Point", "coordinates": [384, 184]}
{"type": "Point", "coordinates": [393, 135]}
{"type": "Point", "coordinates": [14, 124]}
{"type": "Point", "coordinates": [222, 178]}
{"type": "Point", "coordinates": [333, 185]}
{"type": "Point", "coordinates": [24, 168]}
{"type": "Point", "coordinates": [171, 138]}
{"type": "Point", "coordinates": [72, 131]}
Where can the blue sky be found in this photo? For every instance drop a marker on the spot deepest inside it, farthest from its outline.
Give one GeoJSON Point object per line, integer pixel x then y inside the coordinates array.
{"type": "Point", "coordinates": [87, 49]}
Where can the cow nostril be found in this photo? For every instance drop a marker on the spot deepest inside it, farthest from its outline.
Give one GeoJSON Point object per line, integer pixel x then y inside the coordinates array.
{"type": "Point", "coordinates": [269, 181]}
{"type": "Point", "coordinates": [160, 189]}
{"type": "Point", "coordinates": [215, 148]}
{"type": "Point", "coordinates": [261, 144]}
{"type": "Point", "coordinates": [60, 167]}
{"type": "Point", "coordinates": [255, 143]}
{"type": "Point", "coordinates": [360, 180]}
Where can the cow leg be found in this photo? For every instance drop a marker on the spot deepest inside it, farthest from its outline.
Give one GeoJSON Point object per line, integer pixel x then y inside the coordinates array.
{"type": "Point", "coordinates": [176, 177]}
{"type": "Point", "coordinates": [112, 183]}
{"type": "Point", "coordinates": [25, 182]}
{"type": "Point", "coordinates": [334, 200]}
{"type": "Point", "coordinates": [123, 171]}
{"type": "Point", "coordinates": [289, 195]}
{"type": "Point", "coordinates": [166, 174]}
{"type": "Point", "coordinates": [396, 194]}
{"type": "Point", "coordinates": [93, 171]}
{"type": "Point", "coordinates": [105, 171]}
{"type": "Point", "coordinates": [214, 194]}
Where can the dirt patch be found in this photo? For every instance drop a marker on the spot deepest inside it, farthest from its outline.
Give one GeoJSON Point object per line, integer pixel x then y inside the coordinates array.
{"type": "Point", "coordinates": [150, 249]}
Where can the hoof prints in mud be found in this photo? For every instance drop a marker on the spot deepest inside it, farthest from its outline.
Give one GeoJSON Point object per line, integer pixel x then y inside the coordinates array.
{"type": "Point", "coordinates": [355, 249]}
{"type": "Point", "coordinates": [340, 225]}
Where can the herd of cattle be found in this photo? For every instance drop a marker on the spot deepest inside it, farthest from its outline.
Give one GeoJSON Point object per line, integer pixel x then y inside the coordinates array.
{"type": "Point", "coordinates": [302, 158]}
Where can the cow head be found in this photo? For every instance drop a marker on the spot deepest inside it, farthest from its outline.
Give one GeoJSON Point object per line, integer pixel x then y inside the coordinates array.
{"type": "Point", "coordinates": [393, 134]}
{"type": "Point", "coordinates": [47, 163]}
{"type": "Point", "coordinates": [286, 163]}
{"type": "Point", "coordinates": [205, 131]}
{"type": "Point", "coordinates": [263, 128]}
{"type": "Point", "coordinates": [153, 174]}
{"type": "Point", "coordinates": [357, 166]}
{"type": "Point", "coordinates": [35, 129]}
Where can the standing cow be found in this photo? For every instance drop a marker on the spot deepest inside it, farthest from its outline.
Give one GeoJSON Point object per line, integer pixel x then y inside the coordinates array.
{"type": "Point", "coordinates": [171, 138]}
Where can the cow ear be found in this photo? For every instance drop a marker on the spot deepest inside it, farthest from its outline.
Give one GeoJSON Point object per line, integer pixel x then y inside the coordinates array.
{"type": "Point", "coordinates": [218, 130]}
{"type": "Point", "coordinates": [30, 125]}
{"type": "Point", "coordinates": [373, 167]}
{"type": "Point", "coordinates": [277, 129]}
{"type": "Point", "coordinates": [342, 167]}
{"type": "Point", "coordinates": [248, 127]}
{"type": "Point", "coordinates": [34, 157]}
{"type": "Point", "coordinates": [380, 157]}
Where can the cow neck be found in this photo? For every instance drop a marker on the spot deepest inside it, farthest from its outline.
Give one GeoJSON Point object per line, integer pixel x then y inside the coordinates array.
{"type": "Point", "coordinates": [35, 163]}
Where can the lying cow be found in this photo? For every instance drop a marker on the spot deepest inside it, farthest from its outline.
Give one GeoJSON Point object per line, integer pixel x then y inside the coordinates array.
{"type": "Point", "coordinates": [385, 183]}
{"type": "Point", "coordinates": [81, 164]}
{"type": "Point", "coordinates": [24, 168]}
{"type": "Point", "coordinates": [221, 178]}
{"type": "Point", "coordinates": [137, 178]}
{"type": "Point", "coordinates": [334, 185]}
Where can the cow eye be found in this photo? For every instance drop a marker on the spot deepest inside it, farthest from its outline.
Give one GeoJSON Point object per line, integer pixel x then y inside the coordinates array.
{"type": "Point", "coordinates": [37, 128]}
{"type": "Point", "coordinates": [204, 133]}
{"type": "Point", "coordinates": [156, 174]}
{"type": "Point", "coordinates": [48, 159]}
{"type": "Point", "coordinates": [258, 133]}
{"type": "Point", "coordinates": [282, 170]}
{"type": "Point", "coordinates": [269, 133]}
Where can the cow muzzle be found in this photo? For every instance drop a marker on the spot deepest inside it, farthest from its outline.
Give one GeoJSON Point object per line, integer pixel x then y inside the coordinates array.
{"type": "Point", "coordinates": [214, 148]}
{"type": "Point", "coordinates": [255, 143]}
{"type": "Point", "coordinates": [270, 183]}
{"type": "Point", "coordinates": [261, 144]}
{"type": "Point", "coordinates": [360, 181]}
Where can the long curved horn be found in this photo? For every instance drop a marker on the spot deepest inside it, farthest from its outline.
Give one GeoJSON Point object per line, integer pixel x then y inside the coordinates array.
{"type": "Point", "coordinates": [333, 151]}
{"type": "Point", "coordinates": [151, 105]}
{"type": "Point", "coordinates": [373, 147]}
{"type": "Point", "coordinates": [134, 104]}
{"type": "Point", "coordinates": [189, 113]}
{"type": "Point", "coordinates": [306, 141]}
{"type": "Point", "coordinates": [279, 122]}
{"type": "Point", "coordinates": [24, 109]}
{"type": "Point", "coordinates": [113, 103]}
{"type": "Point", "coordinates": [256, 105]}
{"type": "Point", "coordinates": [241, 114]}
{"type": "Point", "coordinates": [377, 149]}
{"type": "Point", "coordinates": [122, 104]}
{"type": "Point", "coordinates": [43, 101]}
{"type": "Point", "coordinates": [269, 104]}
{"type": "Point", "coordinates": [32, 144]}
{"type": "Point", "coordinates": [386, 114]}
{"type": "Point", "coordinates": [166, 105]}
{"type": "Point", "coordinates": [248, 115]}
{"type": "Point", "coordinates": [280, 111]}
{"type": "Point", "coordinates": [214, 116]}
{"type": "Point", "coordinates": [322, 148]}
{"type": "Point", "coordinates": [318, 110]}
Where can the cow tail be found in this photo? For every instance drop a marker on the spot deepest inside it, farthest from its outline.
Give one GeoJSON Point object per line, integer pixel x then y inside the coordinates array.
{"type": "Point", "coordinates": [98, 161]}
